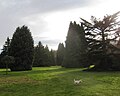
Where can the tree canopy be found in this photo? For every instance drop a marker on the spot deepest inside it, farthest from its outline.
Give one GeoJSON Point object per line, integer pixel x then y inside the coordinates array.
{"type": "Point", "coordinates": [21, 48]}
{"type": "Point", "coordinates": [5, 51]}
{"type": "Point", "coordinates": [101, 37]}
{"type": "Point", "coordinates": [60, 54]}
{"type": "Point", "coordinates": [7, 60]}
{"type": "Point", "coordinates": [75, 46]}
{"type": "Point", "coordinates": [42, 56]}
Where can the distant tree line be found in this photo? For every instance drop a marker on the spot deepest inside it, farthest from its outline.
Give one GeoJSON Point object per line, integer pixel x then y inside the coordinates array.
{"type": "Point", "coordinates": [21, 48]}
{"type": "Point", "coordinates": [43, 57]}
{"type": "Point", "coordinates": [95, 43]}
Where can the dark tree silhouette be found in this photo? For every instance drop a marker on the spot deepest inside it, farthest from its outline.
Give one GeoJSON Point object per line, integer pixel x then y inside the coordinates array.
{"type": "Point", "coordinates": [60, 54]}
{"type": "Point", "coordinates": [42, 56]}
{"type": "Point", "coordinates": [21, 48]}
{"type": "Point", "coordinates": [38, 55]}
{"type": "Point", "coordinates": [75, 46]}
{"type": "Point", "coordinates": [7, 60]}
{"type": "Point", "coordinates": [52, 58]}
{"type": "Point", "coordinates": [5, 51]}
{"type": "Point", "coordinates": [46, 56]}
{"type": "Point", "coordinates": [100, 35]}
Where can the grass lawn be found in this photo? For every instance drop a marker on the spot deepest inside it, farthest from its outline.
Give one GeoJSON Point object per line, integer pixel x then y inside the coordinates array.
{"type": "Point", "coordinates": [57, 81]}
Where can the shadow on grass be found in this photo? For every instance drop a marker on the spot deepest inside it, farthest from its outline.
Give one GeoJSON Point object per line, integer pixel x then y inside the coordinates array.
{"type": "Point", "coordinates": [53, 71]}
{"type": "Point", "coordinates": [39, 70]}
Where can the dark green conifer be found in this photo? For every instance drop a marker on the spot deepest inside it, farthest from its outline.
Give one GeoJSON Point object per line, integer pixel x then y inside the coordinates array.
{"type": "Point", "coordinates": [60, 54]}
{"type": "Point", "coordinates": [21, 49]}
{"type": "Point", "coordinates": [75, 46]}
{"type": "Point", "coordinates": [38, 55]}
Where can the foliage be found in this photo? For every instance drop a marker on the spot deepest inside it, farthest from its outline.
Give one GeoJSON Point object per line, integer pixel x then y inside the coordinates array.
{"type": "Point", "coordinates": [75, 47]}
{"type": "Point", "coordinates": [6, 46]}
{"type": "Point", "coordinates": [21, 48]}
{"type": "Point", "coordinates": [46, 56]}
{"type": "Point", "coordinates": [5, 51]}
{"type": "Point", "coordinates": [101, 37]}
{"type": "Point", "coordinates": [60, 54]}
{"type": "Point", "coordinates": [42, 56]}
{"type": "Point", "coordinates": [38, 55]}
{"type": "Point", "coordinates": [7, 60]}
{"type": "Point", "coordinates": [52, 58]}
{"type": "Point", "coordinates": [57, 81]}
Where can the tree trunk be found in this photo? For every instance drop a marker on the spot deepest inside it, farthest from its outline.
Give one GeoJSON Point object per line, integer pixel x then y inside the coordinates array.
{"type": "Point", "coordinates": [6, 68]}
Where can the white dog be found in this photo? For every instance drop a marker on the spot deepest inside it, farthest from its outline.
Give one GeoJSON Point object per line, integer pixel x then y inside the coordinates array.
{"type": "Point", "coordinates": [77, 81]}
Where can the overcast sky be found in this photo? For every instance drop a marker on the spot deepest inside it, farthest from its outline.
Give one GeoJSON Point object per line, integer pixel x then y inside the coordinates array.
{"type": "Point", "coordinates": [48, 20]}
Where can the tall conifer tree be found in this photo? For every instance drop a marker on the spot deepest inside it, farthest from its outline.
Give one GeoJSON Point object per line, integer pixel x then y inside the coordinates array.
{"type": "Point", "coordinates": [75, 47]}
{"type": "Point", "coordinates": [60, 54]}
{"type": "Point", "coordinates": [52, 58]}
{"type": "Point", "coordinates": [5, 51]}
{"type": "Point", "coordinates": [21, 49]}
{"type": "Point", "coordinates": [38, 55]}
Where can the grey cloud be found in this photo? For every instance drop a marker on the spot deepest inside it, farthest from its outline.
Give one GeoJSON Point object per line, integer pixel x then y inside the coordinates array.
{"type": "Point", "coordinates": [36, 23]}
{"type": "Point", "coordinates": [53, 5]}
{"type": "Point", "coordinates": [12, 13]}
{"type": "Point", "coordinates": [37, 39]}
{"type": "Point", "coordinates": [51, 42]}
{"type": "Point", "coordinates": [34, 6]}
{"type": "Point", "coordinates": [47, 41]}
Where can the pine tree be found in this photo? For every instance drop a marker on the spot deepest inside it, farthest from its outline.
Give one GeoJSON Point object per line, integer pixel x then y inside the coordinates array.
{"type": "Point", "coordinates": [6, 47]}
{"type": "Point", "coordinates": [21, 49]}
{"type": "Point", "coordinates": [75, 46]}
{"type": "Point", "coordinates": [60, 54]}
{"type": "Point", "coordinates": [5, 51]}
{"type": "Point", "coordinates": [38, 55]}
{"type": "Point", "coordinates": [52, 58]}
{"type": "Point", "coordinates": [46, 56]}
{"type": "Point", "coordinates": [42, 56]}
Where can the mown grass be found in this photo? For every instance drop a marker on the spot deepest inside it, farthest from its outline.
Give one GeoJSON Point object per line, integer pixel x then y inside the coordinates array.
{"type": "Point", "coordinates": [57, 81]}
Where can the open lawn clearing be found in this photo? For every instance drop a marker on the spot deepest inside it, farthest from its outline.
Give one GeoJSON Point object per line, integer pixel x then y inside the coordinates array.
{"type": "Point", "coordinates": [57, 81]}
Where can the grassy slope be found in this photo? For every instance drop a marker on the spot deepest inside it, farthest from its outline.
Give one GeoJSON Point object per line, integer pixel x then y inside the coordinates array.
{"type": "Point", "coordinates": [57, 81]}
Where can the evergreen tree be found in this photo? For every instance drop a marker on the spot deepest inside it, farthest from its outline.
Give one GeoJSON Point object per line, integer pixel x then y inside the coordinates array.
{"type": "Point", "coordinates": [75, 48]}
{"type": "Point", "coordinates": [38, 55]}
{"type": "Point", "coordinates": [42, 56]}
{"type": "Point", "coordinates": [60, 54]}
{"type": "Point", "coordinates": [46, 56]}
{"type": "Point", "coordinates": [6, 46]}
{"type": "Point", "coordinates": [7, 60]}
{"type": "Point", "coordinates": [21, 48]}
{"type": "Point", "coordinates": [5, 51]}
{"type": "Point", "coordinates": [52, 58]}
{"type": "Point", "coordinates": [99, 35]}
